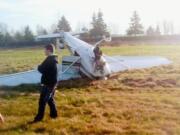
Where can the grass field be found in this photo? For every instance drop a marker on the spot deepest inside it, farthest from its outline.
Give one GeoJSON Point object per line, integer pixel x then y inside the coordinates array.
{"type": "Point", "coordinates": [137, 102]}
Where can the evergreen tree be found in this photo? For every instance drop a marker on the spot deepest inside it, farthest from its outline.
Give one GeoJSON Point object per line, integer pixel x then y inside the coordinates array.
{"type": "Point", "coordinates": [8, 39]}
{"type": "Point", "coordinates": [135, 27]}
{"type": "Point", "coordinates": [1, 39]}
{"type": "Point", "coordinates": [150, 31]}
{"type": "Point", "coordinates": [19, 36]}
{"type": "Point", "coordinates": [63, 25]}
{"type": "Point", "coordinates": [99, 28]}
{"type": "Point", "coordinates": [28, 34]}
{"type": "Point", "coordinates": [157, 31]}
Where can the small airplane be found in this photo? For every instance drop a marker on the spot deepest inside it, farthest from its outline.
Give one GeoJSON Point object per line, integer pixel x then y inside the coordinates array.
{"type": "Point", "coordinates": [85, 60]}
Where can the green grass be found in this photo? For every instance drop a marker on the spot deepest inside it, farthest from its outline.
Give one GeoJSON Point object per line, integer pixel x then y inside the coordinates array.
{"type": "Point", "coordinates": [12, 61]}
{"type": "Point", "coordinates": [136, 102]}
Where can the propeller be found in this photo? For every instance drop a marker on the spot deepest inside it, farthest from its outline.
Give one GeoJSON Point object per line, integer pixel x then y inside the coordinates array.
{"type": "Point", "coordinates": [104, 38]}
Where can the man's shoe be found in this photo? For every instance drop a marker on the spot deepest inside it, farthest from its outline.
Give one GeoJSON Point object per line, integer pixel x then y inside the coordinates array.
{"type": "Point", "coordinates": [36, 120]}
{"type": "Point", "coordinates": [53, 116]}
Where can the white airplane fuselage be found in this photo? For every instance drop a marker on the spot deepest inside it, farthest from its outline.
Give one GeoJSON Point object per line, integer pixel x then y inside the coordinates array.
{"type": "Point", "coordinates": [87, 57]}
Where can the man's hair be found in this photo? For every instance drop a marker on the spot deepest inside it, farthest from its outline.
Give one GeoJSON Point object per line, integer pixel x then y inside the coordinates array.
{"type": "Point", "coordinates": [50, 47]}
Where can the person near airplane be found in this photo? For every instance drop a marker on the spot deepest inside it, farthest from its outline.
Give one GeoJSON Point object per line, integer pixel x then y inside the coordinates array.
{"type": "Point", "coordinates": [49, 72]}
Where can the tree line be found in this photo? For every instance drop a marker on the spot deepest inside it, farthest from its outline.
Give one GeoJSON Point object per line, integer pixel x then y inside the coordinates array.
{"type": "Point", "coordinates": [24, 37]}
{"type": "Point", "coordinates": [136, 28]}
{"type": "Point", "coordinates": [98, 29]}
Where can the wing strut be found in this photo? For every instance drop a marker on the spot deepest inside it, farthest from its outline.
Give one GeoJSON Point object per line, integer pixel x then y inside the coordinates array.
{"type": "Point", "coordinates": [70, 66]}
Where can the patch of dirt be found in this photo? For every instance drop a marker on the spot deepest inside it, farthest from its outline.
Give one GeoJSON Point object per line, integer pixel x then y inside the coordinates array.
{"type": "Point", "coordinates": [114, 82]}
{"type": "Point", "coordinates": [149, 82]}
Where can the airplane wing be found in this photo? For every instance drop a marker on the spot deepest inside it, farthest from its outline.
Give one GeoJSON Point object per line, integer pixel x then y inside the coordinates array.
{"type": "Point", "coordinates": [34, 77]}
{"type": "Point", "coordinates": [116, 64]}
{"type": "Point", "coordinates": [121, 63]}
{"type": "Point", "coordinates": [28, 77]}
{"type": "Point", "coordinates": [55, 35]}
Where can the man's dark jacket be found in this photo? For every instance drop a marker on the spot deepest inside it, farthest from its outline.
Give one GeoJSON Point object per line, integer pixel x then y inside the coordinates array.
{"type": "Point", "coordinates": [49, 72]}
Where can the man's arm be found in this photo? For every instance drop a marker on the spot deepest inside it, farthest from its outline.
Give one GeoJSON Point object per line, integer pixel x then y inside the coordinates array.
{"type": "Point", "coordinates": [43, 67]}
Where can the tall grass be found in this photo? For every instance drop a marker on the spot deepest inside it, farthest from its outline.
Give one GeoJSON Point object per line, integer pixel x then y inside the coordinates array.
{"type": "Point", "coordinates": [137, 102]}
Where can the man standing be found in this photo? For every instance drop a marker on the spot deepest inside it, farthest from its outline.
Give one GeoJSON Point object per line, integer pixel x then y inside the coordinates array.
{"type": "Point", "coordinates": [48, 69]}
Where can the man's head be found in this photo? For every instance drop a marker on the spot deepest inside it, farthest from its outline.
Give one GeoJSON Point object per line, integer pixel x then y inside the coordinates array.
{"type": "Point", "coordinates": [49, 49]}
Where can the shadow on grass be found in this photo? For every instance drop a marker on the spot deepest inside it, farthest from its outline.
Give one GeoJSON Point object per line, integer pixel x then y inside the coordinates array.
{"type": "Point", "coordinates": [30, 88]}
{"type": "Point", "coordinates": [13, 92]}
{"type": "Point", "coordinates": [75, 83]}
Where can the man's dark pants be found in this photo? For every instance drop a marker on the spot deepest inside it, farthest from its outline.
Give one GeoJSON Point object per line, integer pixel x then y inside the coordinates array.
{"type": "Point", "coordinates": [46, 96]}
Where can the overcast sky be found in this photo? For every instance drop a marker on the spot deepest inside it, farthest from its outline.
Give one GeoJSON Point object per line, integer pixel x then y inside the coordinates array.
{"type": "Point", "coordinates": [18, 13]}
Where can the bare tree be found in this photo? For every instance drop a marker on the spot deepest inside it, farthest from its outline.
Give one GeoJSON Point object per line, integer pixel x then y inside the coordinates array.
{"type": "Point", "coordinates": [166, 28]}
{"type": "Point", "coordinates": [40, 30]}
{"type": "Point", "coordinates": [171, 25]}
{"type": "Point", "coordinates": [3, 28]}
